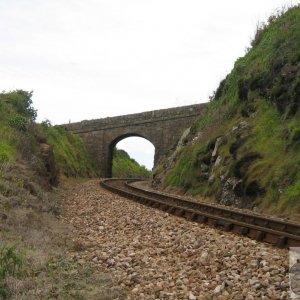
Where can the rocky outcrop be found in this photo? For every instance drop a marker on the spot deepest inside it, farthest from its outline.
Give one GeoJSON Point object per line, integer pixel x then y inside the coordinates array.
{"type": "Point", "coordinates": [50, 171]}
{"type": "Point", "coordinates": [217, 167]}
{"type": "Point", "coordinates": [244, 150]}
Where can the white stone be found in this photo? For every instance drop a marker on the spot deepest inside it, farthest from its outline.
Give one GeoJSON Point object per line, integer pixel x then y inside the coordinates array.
{"type": "Point", "coordinates": [192, 297]}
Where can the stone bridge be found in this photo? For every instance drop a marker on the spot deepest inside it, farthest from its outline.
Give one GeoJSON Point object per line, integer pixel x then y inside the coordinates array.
{"type": "Point", "coordinates": [162, 128]}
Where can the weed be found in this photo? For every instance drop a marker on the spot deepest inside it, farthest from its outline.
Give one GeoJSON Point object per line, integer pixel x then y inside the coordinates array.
{"type": "Point", "coordinates": [11, 263]}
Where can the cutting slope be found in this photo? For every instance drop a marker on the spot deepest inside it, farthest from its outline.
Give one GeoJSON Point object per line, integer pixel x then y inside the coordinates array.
{"type": "Point", "coordinates": [246, 150]}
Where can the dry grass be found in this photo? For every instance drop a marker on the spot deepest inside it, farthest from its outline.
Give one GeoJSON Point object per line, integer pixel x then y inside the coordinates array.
{"type": "Point", "coordinates": [32, 222]}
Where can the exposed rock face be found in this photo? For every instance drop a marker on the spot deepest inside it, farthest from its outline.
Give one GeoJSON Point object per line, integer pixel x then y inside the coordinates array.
{"type": "Point", "coordinates": [220, 141]}
{"type": "Point", "coordinates": [51, 171]}
{"type": "Point", "coordinates": [181, 143]}
{"type": "Point", "coordinates": [214, 165]}
{"type": "Point", "coordinates": [170, 161]}
{"type": "Point", "coordinates": [244, 150]}
{"type": "Point", "coordinates": [231, 189]}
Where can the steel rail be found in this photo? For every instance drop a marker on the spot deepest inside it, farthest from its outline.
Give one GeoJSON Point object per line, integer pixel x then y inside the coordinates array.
{"type": "Point", "coordinates": [277, 232]}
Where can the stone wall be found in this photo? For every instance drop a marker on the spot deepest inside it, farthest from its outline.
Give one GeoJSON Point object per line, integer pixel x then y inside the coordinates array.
{"type": "Point", "coordinates": [162, 128]}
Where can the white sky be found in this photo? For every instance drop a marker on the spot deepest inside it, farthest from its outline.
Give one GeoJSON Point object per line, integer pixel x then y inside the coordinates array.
{"type": "Point", "coordinates": [97, 58]}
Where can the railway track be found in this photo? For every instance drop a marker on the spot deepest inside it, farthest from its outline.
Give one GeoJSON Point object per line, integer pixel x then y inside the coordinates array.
{"type": "Point", "coordinates": [275, 231]}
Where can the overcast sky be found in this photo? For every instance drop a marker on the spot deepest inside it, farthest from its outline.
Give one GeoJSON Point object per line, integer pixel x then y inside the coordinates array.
{"type": "Point", "coordinates": [97, 58]}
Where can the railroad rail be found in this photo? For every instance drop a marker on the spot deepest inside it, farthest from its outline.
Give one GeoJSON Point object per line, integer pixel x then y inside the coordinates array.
{"type": "Point", "coordinates": [271, 230]}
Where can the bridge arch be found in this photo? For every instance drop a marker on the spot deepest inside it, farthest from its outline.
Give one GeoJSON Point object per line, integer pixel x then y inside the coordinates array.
{"type": "Point", "coordinates": [162, 128]}
{"type": "Point", "coordinates": [113, 144]}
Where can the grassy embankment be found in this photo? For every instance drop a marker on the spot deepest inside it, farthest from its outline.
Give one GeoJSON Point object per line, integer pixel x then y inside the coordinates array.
{"type": "Point", "coordinates": [126, 167]}
{"type": "Point", "coordinates": [33, 157]}
{"type": "Point", "coordinates": [33, 242]}
{"type": "Point", "coordinates": [256, 112]}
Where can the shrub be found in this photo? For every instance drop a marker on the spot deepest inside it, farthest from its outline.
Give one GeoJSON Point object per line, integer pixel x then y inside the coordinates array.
{"type": "Point", "coordinates": [3, 158]}
{"type": "Point", "coordinates": [21, 102]}
{"type": "Point", "coordinates": [18, 122]}
{"type": "Point", "coordinates": [11, 262]}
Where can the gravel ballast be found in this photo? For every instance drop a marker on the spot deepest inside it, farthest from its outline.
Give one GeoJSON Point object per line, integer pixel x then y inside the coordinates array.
{"type": "Point", "coordinates": [155, 255]}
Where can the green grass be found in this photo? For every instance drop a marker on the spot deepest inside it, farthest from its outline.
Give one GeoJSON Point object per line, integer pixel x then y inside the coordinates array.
{"type": "Point", "coordinates": [126, 167]}
{"type": "Point", "coordinates": [263, 91]}
{"type": "Point", "coordinates": [11, 263]}
{"type": "Point", "coordinates": [70, 153]}
{"type": "Point", "coordinates": [21, 137]}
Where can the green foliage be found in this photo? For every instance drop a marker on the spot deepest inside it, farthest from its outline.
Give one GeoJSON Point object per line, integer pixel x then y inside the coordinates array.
{"type": "Point", "coordinates": [11, 262]}
{"type": "Point", "coordinates": [126, 167]}
{"type": "Point", "coordinates": [21, 139]}
{"type": "Point", "coordinates": [262, 91]}
{"type": "Point", "coordinates": [16, 117]}
{"type": "Point", "coordinates": [271, 68]}
{"type": "Point", "coordinates": [20, 101]}
{"type": "Point", "coordinates": [8, 144]}
{"type": "Point", "coordinates": [70, 153]}
{"type": "Point", "coordinates": [18, 122]}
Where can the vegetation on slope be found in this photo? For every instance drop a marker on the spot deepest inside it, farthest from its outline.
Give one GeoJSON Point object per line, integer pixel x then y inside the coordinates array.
{"type": "Point", "coordinates": [69, 151]}
{"type": "Point", "coordinates": [31, 158]}
{"type": "Point", "coordinates": [245, 149]}
{"type": "Point", "coordinates": [32, 241]}
{"type": "Point", "coordinates": [25, 142]}
{"type": "Point", "coordinates": [126, 167]}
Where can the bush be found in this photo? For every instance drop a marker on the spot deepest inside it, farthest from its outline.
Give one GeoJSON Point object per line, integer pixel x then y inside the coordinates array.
{"type": "Point", "coordinates": [18, 122]}
{"type": "Point", "coordinates": [11, 262]}
{"type": "Point", "coordinates": [3, 158]}
{"type": "Point", "coordinates": [21, 102]}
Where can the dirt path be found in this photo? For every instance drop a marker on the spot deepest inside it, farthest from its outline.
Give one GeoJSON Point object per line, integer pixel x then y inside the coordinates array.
{"type": "Point", "coordinates": [154, 255]}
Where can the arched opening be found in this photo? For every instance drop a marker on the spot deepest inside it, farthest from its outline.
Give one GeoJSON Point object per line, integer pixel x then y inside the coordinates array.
{"type": "Point", "coordinates": [131, 156]}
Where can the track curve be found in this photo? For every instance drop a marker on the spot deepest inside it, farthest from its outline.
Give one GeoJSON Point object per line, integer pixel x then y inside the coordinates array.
{"type": "Point", "coordinates": [275, 231]}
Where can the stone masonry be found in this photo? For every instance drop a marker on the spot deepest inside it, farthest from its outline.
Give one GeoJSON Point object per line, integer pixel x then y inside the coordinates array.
{"type": "Point", "coordinates": [162, 128]}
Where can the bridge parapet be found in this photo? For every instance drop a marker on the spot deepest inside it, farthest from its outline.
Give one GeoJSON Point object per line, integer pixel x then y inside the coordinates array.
{"type": "Point", "coordinates": [138, 118]}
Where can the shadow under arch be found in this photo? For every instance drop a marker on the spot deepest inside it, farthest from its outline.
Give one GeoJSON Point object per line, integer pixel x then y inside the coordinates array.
{"type": "Point", "coordinates": [113, 144]}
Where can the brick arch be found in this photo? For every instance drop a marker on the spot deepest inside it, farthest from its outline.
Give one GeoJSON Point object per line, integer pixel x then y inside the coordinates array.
{"type": "Point", "coordinates": [162, 128]}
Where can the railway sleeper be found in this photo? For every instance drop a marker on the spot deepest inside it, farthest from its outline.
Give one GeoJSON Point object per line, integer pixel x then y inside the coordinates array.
{"type": "Point", "coordinates": [281, 241]}
{"type": "Point", "coordinates": [147, 202]}
{"type": "Point", "coordinates": [134, 197]}
{"type": "Point", "coordinates": [227, 226]}
{"type": "Point", "coordinates": [188, 215]}
{"type": "Point", "coordinates": [244, 230]}
{"type": "Point", "coordinates": [202, 219]}
{"type": "Point", "coordinates": [179, 212]}
{"type": "Point", "coordinates": [171, 210]}
{"type": "Point", "coordinates": [260, 235]}
{"type": "Point", "coordinates": [164, 207]}
{"type": "Point", "coordinates": [156, 205]}
{"type": "Point", "coordinates": [193, 217]}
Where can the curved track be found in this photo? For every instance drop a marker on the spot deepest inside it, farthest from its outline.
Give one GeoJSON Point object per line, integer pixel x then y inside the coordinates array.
{"type": "Point", "coordinates": [270, 230]}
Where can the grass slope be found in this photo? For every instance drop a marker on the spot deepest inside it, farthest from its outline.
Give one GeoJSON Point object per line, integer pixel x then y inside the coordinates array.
{"type": "Point", "coordinates": [254, 118]}
{"type": "Point", "coordinates": [32, 240]}
{"type": "Point", "coordinates": [69, 151]}
{"type": "Point", "coordinates": [126, 167]}
{"type": "Point", "coordinates": [22, 139]}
